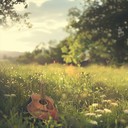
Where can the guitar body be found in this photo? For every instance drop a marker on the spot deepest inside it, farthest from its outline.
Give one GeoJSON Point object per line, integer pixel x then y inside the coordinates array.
{"type": "Point", "coordinates": [42, 108]}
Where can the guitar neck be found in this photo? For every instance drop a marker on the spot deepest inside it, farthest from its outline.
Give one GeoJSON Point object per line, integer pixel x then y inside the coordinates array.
{"type": "Point", "coordinates": [42, 90]}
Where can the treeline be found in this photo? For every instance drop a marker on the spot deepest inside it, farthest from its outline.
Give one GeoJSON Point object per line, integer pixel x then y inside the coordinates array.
{"type": "Point", "coordinates": [98, 33]}
{"type": "Point", "coordinates": [43, 55]}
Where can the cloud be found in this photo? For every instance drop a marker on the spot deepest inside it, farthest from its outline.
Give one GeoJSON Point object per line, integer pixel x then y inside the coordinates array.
{"type": "Point", "coordinates": [38, 2]}
{"type": "Point", "coordinates": [48, 30]}
{"type": "Point", "coordinates": [71, 0]}
{"type": "Point", "coordinates": [49, 24]}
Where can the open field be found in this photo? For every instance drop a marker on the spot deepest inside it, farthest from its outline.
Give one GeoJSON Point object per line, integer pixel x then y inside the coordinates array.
{"type": "Point", "coordinates": [90, 97]}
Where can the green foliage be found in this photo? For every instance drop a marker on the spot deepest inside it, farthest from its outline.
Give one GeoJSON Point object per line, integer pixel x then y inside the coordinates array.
{"type": "Point", "coordinates": [26, 58]}
{"type": "Point", "coordinates": [74, 50]}
{"type": "Point", "coordinates": [84, 97]}
{"type": "Point", "coordinates": [104, 29]}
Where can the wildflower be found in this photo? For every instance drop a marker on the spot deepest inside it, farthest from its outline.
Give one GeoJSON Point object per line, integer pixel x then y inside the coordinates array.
{"type": "Point", "coordinates": [101, 121]}
{"type": "Point", "coordinates": [95, 104]}
{"type": "Point", "coordinates": [106, 101]}
{"type": "Point", "coordinates": [90, 114]}
{"type": "Point", "coordinates": [107, 110]}
{"type": "Point", "coordinates": [126, 111]}
{"type": "Point", "coordinates": [93, 122]}
{"type": "Point", "coordinates": [114, 104]}
{"type": "Point", "coordinates": [9, 95]}
{"type": "Point", "coordinates": [99, 111]}
{"type": "Point", "coordinates": [13, 95]}
{"type": "Point", "coordinates": [98, 115]}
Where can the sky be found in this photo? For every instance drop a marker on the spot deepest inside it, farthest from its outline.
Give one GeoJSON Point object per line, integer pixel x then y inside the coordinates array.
{"type": "Point", "coordinates": [48, 19]}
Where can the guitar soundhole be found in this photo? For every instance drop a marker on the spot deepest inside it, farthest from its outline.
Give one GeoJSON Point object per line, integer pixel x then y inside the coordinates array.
{"type": "Point", "coordinates": [43, 102]}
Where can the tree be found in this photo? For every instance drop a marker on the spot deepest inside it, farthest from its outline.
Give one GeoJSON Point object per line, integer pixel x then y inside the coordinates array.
{"type": "Point", "coordinates": [8, 13]}
{"type": "Point", "coordinates": [42, 55]}
{"type": "Point", "coordinates": [27, 58]}
{"type": "Point", "coordinates": [104, 26]}
{"type": "Point", "coordinates": [73, 51]}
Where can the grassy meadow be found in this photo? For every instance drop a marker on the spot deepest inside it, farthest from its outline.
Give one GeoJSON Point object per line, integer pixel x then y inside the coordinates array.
{"type": "Point", "coordinates": [86, 97]}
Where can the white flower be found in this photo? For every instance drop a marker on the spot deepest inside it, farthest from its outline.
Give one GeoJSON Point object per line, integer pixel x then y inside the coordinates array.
{"type": "Point", "coordinates": [126, 111]}
{"type": "Point", "coordinates": [9, 95]}
{"type": "Point", "coordinates": [13, 95]}
{"type": "Point", "coordinates": [99, 111]}
{"type": "Point", "coordinates": [107, 110]}
{"type": "Point", "coordinates": [93, 122]}
{"type": "Point", "coordinates": [90, 114]}
{"type": "Point", "coordinates": [98, 115]}
{"type": "Point", "coordinates": [94, 104]}
{"type": "Point", "coordinates": [114, 104]}
{"type": "Point", "coordinates": [106, 101]}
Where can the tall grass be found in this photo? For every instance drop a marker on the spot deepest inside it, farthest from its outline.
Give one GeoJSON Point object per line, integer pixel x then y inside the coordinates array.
{"type": "Point", "coordinates": [90, 97]}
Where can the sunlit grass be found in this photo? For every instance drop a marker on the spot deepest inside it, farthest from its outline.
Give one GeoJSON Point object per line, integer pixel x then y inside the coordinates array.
{"type": "Point", "coordinates": [93, 97]}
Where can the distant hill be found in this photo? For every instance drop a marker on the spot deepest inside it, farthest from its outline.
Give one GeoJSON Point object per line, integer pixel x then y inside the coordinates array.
{"type": "Point", "coordinates": [10, 54]}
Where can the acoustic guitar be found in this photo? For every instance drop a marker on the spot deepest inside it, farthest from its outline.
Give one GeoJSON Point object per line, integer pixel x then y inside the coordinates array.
{"type": "Point", "coordinates": [42, 106]}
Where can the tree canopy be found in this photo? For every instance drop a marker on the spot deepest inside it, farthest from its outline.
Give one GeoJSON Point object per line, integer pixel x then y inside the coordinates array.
{"type": "Point", "coordinates": [101, 29]}
{"type": "Point", "coordinates": [9, 14]}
